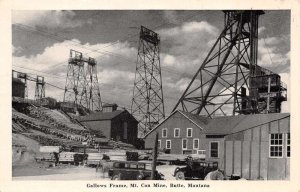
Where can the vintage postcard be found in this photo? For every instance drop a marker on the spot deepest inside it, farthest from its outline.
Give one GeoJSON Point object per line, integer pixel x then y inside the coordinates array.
{"type": "Point", "coordinates": [164, 97]}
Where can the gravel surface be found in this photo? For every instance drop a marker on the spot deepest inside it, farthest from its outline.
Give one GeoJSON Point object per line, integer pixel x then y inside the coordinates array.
{"type": "Point", "coordinates": [66, 172]}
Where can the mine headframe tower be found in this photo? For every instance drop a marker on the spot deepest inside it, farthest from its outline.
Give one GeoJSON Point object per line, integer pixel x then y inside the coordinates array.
{"type": "Point", "coordinates": [147, 101]}
{"type": "Point", "coordinates": [39, 84]}
{"type": "Point", "coordinates": [82, 86]}
{"type": "Point", "coordinates": [230, 69]}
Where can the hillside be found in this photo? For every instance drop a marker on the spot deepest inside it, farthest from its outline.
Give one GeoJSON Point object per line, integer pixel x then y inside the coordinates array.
{"type": "Point", "coordinates": [34, 126]}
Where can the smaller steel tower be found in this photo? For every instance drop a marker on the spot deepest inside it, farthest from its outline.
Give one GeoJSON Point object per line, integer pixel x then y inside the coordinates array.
{"type": "Point", "coordinates": [147, 101]}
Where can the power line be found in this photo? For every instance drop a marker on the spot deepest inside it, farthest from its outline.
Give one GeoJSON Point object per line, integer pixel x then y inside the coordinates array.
{"type": "Point", "coordinates": [122, 106]}
{"type": "Point", "coordinates": [268, 50]}
{"type": "Point", "coordinates": [56, 76]}
{"type": "Point", "coordinates": [62, 38]}
{"type": "Point", "coordinates": [127, 60]}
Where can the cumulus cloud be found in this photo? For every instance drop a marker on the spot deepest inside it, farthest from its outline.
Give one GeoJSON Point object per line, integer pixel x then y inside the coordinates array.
{"type": "Point", "coordinates": [271, 54]}
{"type": "Point", "coordinates": [16, 50]}
{"type": "Point", "coordinates": [261, 30]}
{"type": "Point", "coordinates": [171, 16]}
{"type": "Point", "coordinates": [183, 49]}
{"type": "Point", "coordinates": [115, 76]}
{"type": "Point", "coordinates": [185, 46]}
{"type": "Point", "coordinates": [53, 18]}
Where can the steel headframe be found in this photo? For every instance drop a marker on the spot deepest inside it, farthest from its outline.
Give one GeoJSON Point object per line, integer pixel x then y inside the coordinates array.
{"type": "Point", "coordinates": [221, 82]}
{"type": "Point", "coordinates": [39, 84]}
{"type": "Point", "coordinates": [147, 101]}
{"type": "Point", "coordinates": [39, 88]}
{"type": "Point", "coordinates": [82, 83]}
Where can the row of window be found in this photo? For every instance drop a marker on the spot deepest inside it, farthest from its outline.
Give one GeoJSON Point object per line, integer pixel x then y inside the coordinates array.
{"type": "Point", "coordinates": [276, 144]}
{"type": "Point", "coordinates": [213, 146]}
{"type": "Point", "coordinates": [189, 132]}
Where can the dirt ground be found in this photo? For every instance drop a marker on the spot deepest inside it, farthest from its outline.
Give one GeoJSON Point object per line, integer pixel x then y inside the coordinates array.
{"type": "Point", "coordinates": [40, 171]}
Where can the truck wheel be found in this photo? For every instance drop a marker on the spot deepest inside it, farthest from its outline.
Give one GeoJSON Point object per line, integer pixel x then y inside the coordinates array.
{"type": "Point", "coordinates": [116, 177]}
{"type": "Point", "coordinates": [180, 175]}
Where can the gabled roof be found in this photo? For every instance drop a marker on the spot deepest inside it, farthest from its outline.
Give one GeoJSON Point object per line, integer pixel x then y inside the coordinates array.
{"type": "Point", "coordinates": [200, 121]}
{"type": "Point", "coordinates": [191, 117]}
{"type": "Point", "coordinates": [101, 116]}
{"type": "Point", "coordinates": [228, 124]}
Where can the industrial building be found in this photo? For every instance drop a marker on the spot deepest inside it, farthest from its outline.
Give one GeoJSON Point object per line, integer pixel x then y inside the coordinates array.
{"type": "Point", "coordinates": [18, 88]}
{"type": "Point", "coordinates": [112, 123]}
{"type": "Point", "coordinates": [252, 146]}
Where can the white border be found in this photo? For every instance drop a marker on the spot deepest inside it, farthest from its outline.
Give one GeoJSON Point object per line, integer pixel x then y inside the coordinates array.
{"type": "Point", "coordinates": [7, 185]}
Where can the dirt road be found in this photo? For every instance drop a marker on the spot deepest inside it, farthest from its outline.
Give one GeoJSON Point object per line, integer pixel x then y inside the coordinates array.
{"type": "Point", "coordinates": [78, 173]}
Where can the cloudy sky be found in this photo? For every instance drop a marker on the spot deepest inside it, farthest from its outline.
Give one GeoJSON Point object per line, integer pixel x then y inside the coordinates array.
{"type": "Point", "coordinates": [42, 41]}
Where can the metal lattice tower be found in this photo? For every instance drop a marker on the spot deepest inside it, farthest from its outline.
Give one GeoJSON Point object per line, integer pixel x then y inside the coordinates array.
{"type": "Point", "coordinates": [39, 84]}
{"type": "Point", "coordinates": [39, 88]}
{"type": "Point", "coordinates": [220, 85]}
{"type": "Point", "coordinates": [82, 82]}
{"type": "Point", "coordinates": [94, 91]}
{"type": "Point", "coordinates": [147, 102]}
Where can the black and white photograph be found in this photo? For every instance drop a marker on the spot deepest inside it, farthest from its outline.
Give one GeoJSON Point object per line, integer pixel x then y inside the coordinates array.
{"type": "Point", "coordinates": [149, 96]}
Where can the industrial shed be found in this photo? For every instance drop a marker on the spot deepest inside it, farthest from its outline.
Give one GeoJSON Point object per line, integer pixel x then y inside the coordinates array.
{"type": "Point", "coordinates": [118, 125]}
{"type": "Point", "coordinates": [18, 88]}
{"type": "Point", "coordinates": [252, 146]}
{"type": "Point", "coordinates": [259, 147]}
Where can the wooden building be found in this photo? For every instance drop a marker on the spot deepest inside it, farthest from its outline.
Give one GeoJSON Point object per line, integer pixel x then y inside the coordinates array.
{"type": "Point", "coordinates": [114, 124]}
{"type": "Point", "coordinates": [252, 146]}
{"type": "Point", "coordinates": [18, 88]}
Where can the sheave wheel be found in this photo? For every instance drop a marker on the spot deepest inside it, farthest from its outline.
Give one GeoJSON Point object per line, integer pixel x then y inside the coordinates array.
{"type": "Point", "coordinates": [116, 177]}
{"type": "Point", "coordinates": [180, 175]}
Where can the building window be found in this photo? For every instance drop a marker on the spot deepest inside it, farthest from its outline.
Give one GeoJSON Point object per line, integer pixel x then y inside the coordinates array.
{"type": "Point", "coordinates": [184, 143]}
{"type": "Point", "coordinates": [125, 130]}
{"type": "Point", "coordinates": [189, 132]}
{"type": "Point", "coordinates": [195, 143]}
{"type": "Point", "coordinates": [159, 144]}
{"type": "Point", "coordinates": [164, 132]}
{"type": "Point", "coordinates": [176, 132]}
{"type": "Point", "coordinates": [288, 145]}
{"type": "Point", "coordinates": [214, 149]}
{"type": "Point", "coordinates": [168, 144]}
{"type": "Point", "coordinates": [201, 152]}
{"type": "Point", "coordinates": [276, 144]}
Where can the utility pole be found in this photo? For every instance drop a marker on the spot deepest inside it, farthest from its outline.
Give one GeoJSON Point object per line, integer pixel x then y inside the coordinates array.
{"type": "Point", "coordinates": [154, 158]}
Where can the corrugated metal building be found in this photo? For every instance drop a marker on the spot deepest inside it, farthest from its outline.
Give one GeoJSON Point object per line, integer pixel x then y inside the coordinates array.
{"type": "Point", "coordinates": [252, 146]}
{"type": "Point", "coordinates": [115, 124]}
{"type": "Point", "coordinates": [18, 88]}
